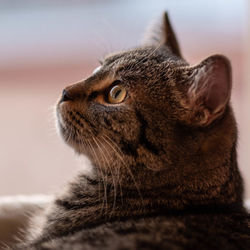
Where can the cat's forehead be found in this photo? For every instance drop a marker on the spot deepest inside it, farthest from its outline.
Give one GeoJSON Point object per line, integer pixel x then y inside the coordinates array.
{"type": "Point", "coordinates": [138, 55]}
{"type": "Point", "coordinates": [141, 59]}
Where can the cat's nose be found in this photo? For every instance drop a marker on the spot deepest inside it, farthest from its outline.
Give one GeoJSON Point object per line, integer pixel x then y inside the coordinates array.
{"type": "Point", "coordinates": [65, 96]}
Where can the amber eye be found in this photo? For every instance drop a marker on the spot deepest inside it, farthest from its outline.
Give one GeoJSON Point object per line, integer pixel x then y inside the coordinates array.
{"type": "Point", "coordinates": [117, 94]}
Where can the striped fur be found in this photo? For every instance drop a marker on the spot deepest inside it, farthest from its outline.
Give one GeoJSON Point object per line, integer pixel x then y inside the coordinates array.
{"type": "Point", "coordinates": [165, 172]}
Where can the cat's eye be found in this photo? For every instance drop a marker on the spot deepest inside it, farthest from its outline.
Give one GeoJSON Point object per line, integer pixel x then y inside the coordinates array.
{"type": "Point", "coordinates": [117, 94]}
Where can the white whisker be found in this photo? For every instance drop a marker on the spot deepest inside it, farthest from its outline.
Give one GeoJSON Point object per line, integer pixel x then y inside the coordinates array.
{"type": "Point", "coordinates": [104, 178]}
{"type": "Point", "coordinates": [116, 149]}
{"type": "Point", "coordinates": [111, 171]}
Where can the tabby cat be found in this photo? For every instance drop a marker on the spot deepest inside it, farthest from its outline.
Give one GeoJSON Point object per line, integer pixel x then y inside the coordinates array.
{"type": "Point", "coordinates": [161, 137]}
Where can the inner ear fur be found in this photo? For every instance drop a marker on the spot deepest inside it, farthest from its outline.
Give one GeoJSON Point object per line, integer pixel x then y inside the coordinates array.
{"type": "Point", "coordinates": [209, 89]}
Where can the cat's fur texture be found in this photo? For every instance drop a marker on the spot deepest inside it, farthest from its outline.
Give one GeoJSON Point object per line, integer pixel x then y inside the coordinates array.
{"type": "Point", "coordinates": [165, 172]}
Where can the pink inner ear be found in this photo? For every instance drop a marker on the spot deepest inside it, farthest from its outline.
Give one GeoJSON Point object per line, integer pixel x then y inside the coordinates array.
{"type": "Point", "coordinates": [218, 84]}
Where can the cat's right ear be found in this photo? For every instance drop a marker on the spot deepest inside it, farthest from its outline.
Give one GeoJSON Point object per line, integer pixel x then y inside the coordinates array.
{"type": "Point", "coordinates": [162, 34]}
{"type": "Point", "coordinates": [209, 87]}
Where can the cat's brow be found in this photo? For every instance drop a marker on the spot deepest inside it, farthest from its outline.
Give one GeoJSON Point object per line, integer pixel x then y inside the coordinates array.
{"type": "Point", "coordinates": [99, 82]}
{"type": "Point", "coordinates": [112, 58]}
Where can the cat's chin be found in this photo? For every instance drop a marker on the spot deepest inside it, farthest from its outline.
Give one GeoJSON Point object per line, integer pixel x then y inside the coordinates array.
{"type": "Point", "coordinates": [68, 137]}
{"type": "Point", "coordinates": [65, 132]}
{"type": "Point", "coordinates": [78, 146]}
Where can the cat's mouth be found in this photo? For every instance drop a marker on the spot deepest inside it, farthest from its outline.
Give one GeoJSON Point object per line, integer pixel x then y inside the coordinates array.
{"type": "Point", "coordinates": [70, 126]}
{"type": "Point", "coordinates": [66, 129]}
{"type": "Point", "coordinates": [77, 132]}
{"type": "Point", "coordinates": [73, 128]}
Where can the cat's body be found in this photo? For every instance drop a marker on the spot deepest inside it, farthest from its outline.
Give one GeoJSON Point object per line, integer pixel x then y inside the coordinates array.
{"type": "Point", "coordinates": [191, 231]}
{"type": "Point", "coordinates": [162, 138]}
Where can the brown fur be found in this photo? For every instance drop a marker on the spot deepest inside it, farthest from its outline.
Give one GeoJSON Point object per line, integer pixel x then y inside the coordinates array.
{"type": "Point", "coordinates": [169, 149]}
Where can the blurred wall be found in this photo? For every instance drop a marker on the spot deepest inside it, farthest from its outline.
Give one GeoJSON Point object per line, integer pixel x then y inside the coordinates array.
{"type": "Point", "coordinates": [46, 45]}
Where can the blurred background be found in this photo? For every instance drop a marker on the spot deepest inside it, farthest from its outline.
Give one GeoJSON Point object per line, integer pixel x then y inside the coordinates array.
{"type": "Point", "coordinates": [48, 44]}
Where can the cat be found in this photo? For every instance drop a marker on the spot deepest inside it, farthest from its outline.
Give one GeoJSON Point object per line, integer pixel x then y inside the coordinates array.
{"type": "Point", "coordinates": [161, 137]}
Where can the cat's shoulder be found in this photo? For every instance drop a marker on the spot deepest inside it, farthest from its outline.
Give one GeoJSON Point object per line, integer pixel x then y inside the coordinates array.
{"type": "Point", "coordinates": [171, 232]}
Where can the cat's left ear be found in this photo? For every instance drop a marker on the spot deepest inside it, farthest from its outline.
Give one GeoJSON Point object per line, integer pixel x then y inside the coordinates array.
{"type": "Point", "coordinates": [163, 34]}
{"type": "Point", "coordinates": [209, 90]}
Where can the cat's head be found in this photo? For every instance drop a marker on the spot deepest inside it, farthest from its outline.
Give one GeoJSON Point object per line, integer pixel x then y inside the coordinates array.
{"type": "Point", "coordinates": [148, 107]}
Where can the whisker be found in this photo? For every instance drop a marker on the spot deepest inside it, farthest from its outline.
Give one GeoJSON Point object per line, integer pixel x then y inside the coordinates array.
{"type": "Point", "coordinates": [117, 169]}
{"type": "Point", "coordinates": [119, 154]}
{"type": "Point", "coordinates": [111, 171]}
{"type": "Point", "coordinates": [104, 178]}
{"type": "Point", "coordinates": [104, 161]}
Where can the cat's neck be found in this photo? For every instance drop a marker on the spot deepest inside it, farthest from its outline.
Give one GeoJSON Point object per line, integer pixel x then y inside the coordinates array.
{"type": "Point", "coordinates": [206, 175]}
{"type": "Point", "coordinates": [95, 199]}
{"type": "Point", "coordinates": [153, 191]}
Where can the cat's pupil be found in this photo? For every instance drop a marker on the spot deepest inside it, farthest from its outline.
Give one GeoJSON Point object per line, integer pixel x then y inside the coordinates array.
{"type": "Point", "coordinates": [117, 93]}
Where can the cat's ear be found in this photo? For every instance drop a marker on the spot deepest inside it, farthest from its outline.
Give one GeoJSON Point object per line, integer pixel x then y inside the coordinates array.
{"type": "Point", "coordinates": [209, 89]}
{"type": "Point", "coordinates": [163, 33]}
